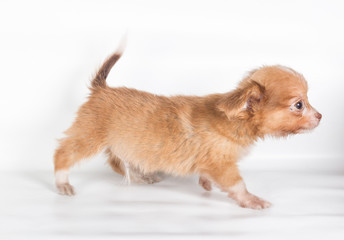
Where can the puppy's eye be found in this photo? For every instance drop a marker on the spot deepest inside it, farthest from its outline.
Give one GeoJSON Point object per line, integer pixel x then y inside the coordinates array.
{"type": "Point", "coordinates": [299, 105]}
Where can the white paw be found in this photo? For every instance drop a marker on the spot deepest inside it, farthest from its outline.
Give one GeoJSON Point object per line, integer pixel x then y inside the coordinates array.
{"type": "Point", "coordinates": [252, 201]}
{"type": "Point", "coordinates": [150, 179]}
{"type": "Point", "coordinates": [65, 189]}
{"type": "Point", "coordinates": [140, 178]}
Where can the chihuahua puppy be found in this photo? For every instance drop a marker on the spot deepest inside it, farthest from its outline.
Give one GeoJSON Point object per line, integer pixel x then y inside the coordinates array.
{"type": "Point", "coordinates": [145, 134]}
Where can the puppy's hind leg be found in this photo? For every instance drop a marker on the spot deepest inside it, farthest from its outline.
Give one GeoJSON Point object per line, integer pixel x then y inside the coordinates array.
{"type": "Point", "coordinates": [119, 166]}
{"type": "Point", "coordinates": [131, 172]}
{"type": "Point", "coordinates": [139, 176]}
{"type": "Point", "coordinates": [62, 183]}
{"type": "Point", "coordinates": [71, 151]}
{"type": "Point", "coordinates": [115, 163]}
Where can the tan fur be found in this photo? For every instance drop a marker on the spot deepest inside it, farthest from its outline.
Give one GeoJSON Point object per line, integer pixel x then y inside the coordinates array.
{"type": "Point", "coordinates": [183, 135]}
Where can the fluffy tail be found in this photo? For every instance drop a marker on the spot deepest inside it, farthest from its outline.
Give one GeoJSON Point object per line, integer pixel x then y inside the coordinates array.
{"type": "Point", "coordinates": [99, 80]}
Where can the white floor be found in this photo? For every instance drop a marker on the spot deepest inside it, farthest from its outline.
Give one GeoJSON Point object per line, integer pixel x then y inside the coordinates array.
{"type": "Point", "coordinates": [305, 206]}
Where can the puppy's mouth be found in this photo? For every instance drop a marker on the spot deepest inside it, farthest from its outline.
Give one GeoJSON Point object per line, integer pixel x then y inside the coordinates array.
{"type": "Point", "coordinates": [298, 130]}
{"type": "Point", "coordinates": [309, 126]}
{"type": "Point", "coordinates": [303, 130]}
{"type": "Point", "coordinates": [307, 129]}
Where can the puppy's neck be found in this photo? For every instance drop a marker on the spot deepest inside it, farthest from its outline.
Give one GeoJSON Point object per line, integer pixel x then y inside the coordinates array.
{"type": "Point", "coordinates": [243, 131]}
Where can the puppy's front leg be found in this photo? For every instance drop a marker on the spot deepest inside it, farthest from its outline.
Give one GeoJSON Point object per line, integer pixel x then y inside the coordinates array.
{"type": "Point", "coordinates": [205, 183]}
{"type": "Point", "coordinates": [229, 180]}
{"type": "Point", "coordinates": [239, 193]}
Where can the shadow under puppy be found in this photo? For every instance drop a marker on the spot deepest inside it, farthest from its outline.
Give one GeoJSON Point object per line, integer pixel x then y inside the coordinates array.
{"type": "Point", "coordinates": [144, 134]}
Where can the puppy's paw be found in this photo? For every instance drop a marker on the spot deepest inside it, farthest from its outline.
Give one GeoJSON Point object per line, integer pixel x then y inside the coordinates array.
{"type": "Point", "coordinates": [254, 202]}
{"type": "Point", "coordinates": [205, 183]}
{"type": "Point", "coordinates": [141, 178]}
{"type": "Point", "coordinates": [150, 179]}
{"type": "Point", "coordinates": [65, 189]}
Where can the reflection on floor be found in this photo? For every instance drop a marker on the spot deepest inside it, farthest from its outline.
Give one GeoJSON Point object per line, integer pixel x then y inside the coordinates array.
{"type": "Point", "coordinates": [305, 206]}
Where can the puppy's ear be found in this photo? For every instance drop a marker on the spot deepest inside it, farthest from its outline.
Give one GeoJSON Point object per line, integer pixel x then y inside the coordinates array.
{"type": "Point", "coordinates": [244, 101]}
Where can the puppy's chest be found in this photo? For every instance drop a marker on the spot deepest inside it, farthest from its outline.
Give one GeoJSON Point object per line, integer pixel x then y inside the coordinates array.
{"type": "Point", "coordinates": [198, 147]}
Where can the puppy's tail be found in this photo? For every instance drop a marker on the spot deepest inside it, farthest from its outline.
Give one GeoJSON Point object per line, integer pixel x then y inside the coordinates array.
{"type": "Point", "coordinates": [99, 81]}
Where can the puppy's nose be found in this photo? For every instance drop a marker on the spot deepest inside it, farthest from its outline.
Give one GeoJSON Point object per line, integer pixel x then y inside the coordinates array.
{"type": "Point", "coordinates": [318, 115]}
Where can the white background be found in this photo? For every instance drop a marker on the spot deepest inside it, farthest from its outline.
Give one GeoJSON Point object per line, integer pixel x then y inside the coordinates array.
{"type": "Point", "coordinates": [50, 49]}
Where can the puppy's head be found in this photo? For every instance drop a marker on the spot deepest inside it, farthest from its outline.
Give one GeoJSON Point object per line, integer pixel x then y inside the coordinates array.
{"type": "Point", "coordinates": [274, 99]}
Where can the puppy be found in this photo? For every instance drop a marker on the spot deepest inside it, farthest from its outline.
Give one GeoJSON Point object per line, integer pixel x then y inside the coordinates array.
{"type": "Point", "coordinates": [144, 134]}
